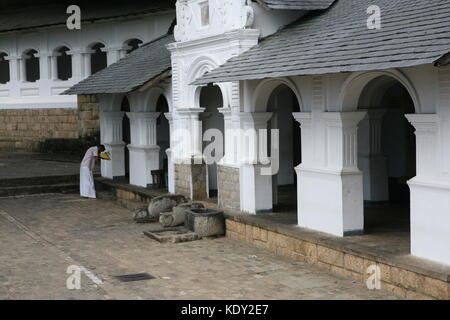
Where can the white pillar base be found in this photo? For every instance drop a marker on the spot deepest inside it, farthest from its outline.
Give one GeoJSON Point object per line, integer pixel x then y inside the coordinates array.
{"type": "Point", "coordinates": [116, 166]}
{"type": "Point", "coordinates": [430, 220]}
{"type": "Point", "coordinates": [143, 159]}
{"type": "Point", "coordinates": [331, 202]}
{"type": "Point", "coordinates": [256, 189]}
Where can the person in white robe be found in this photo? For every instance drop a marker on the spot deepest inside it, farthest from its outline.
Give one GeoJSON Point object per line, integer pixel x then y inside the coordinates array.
{"type": "Point", "coordinates": [87, 187]}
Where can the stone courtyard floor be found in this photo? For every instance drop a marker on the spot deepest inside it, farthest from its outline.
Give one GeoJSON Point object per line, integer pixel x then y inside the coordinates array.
{"type": "Point", "coordinates": [42, 235]}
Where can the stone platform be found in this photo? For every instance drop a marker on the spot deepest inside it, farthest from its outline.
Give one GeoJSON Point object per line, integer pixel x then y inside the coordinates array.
{"type": "Point", "coordinates": [385, 244]}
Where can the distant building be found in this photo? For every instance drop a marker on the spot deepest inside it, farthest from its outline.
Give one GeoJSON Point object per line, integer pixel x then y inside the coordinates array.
{"type": "Point", "coordinates": [40, 58]}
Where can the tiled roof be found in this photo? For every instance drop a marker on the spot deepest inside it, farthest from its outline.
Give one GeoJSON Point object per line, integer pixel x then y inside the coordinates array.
{"type": "Point", "coordinates": [55, 14]}
{"type": "Point", "coordinates": [128, 74]}
{"type": "Point", "coordinates": [413, 32]}
{"type": "Point", "coordinates": [297, 4]}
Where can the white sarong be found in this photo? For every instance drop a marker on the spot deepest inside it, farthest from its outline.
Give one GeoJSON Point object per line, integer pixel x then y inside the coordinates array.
{"type": "Point", "coordinates": [87, 188]}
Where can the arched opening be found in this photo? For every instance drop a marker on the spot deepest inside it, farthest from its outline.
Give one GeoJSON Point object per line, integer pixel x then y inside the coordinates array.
{"type": "Point", "coordinates": [32, 71]}
{"type": "Point", "coordinates": [163, 135]}
{"type": "Point", "coordinates": [63, 64]}
{"type": "Point", "coordinates": [98, 58]}
{"type": "Point", "coordinates": [211, 100]}
{"type": "Point", "coordinates": [132, 45]}
{"type": "Point", "coordinates": [387, 155]}
{"type": "Point", "coordinates": [282, 103]}
{"type": "Point", "coordinates": [126, 135]}
{"type": "Point", "coordinates": [4, 69]}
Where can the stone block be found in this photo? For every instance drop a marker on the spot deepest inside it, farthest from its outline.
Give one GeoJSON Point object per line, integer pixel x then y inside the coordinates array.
{"type": "Point", "coordinates": [206, 222]}
{"type": "Point", "coordinates": [412, 295]}
{"type": "Point", "coordinates": [401, 292]}
{"type": "Point", "coordinates": [330, 256]}
{"type": "Point", "coordinates": [354, 263]}
{"type": "Point", "coordinates": [436, 288]}
{"type": "Point", "coordinates": [406, 279]}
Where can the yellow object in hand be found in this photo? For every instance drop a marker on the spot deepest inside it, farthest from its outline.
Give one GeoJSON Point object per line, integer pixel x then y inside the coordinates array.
{"type": "Point", "coordinates": [105, 155]}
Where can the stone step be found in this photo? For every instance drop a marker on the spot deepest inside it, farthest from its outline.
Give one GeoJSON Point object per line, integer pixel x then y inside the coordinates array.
{"type": "Point", "coordinates": [39, 189]}
{"type": "Point", "coordinates": [40, 181]}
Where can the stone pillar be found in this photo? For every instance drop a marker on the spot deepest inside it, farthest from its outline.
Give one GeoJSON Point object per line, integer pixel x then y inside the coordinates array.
{"type": "Point", "coordinates": [330, 196]}
{"type": "Point", "coordinates": [144, 151]}
{"type": "Point", "coordinates": [228, 184]}
{"type": "Point", "coordinates": [430, 190]}
{"type": "Point", "coordinates": [112, 139]}
{"type": "Point", "coordinates": [191, 174]}
{"type": "Point", "coordinates": [255, 176]}
{"type": "Point", "coordinates": [371, 161]}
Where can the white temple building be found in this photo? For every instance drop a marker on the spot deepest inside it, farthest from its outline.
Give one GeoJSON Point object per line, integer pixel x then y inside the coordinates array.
{"type": "Point", "coordinates": [362, 112]}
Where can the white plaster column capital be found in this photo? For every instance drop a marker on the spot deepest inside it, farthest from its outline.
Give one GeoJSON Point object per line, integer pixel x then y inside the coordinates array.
{"type": "Point", "coordinates": [423, 122]}
{"type": "Point", "coordinates": [257, 120]}
{"type": "Point", "coordinates": [344, 119]}
{"type": "Point", "coordinates": [304, 118]}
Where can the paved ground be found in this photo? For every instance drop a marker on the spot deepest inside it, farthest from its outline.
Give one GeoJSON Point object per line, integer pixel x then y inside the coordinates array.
{"type": "Point", "coordinates": [26, 165]}
{"type": "Point", "coordinates": [41, 236]}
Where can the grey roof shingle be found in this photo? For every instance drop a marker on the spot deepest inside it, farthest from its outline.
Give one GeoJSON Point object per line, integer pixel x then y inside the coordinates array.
{"type": "Point", "coordinates": [131, 72]}
{"type": "Point", "coordinates": [296, 4]}
{"type": "Point", "coordinates": [413, 32]}
{"type": "Point", "coordinates": [55, 14]}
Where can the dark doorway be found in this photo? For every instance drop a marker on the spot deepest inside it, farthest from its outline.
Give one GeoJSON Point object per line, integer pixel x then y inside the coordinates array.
{"type": "Point", "coordinates": [99, 60]}
{"type": "Point", "coordinates": [126, 135]}
{"type": "Point", "coordinates": [282, 103]}
{"type": "Point", "coordinates": [4, 69]}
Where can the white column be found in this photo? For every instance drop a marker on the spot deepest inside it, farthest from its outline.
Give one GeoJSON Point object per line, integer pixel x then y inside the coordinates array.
{"type": "Point", "coordinates": [78, 70]}
{"type": "Point", "coordinates": [255, 176]}
{"type": "Point", "coordinates": [54, 66]}
{"type": "Point", "coordinates": [44, 66]}
{"type": "Point", "coordinates": [192, 142]}
{"type": "Point", "coordinates": [112, 54]}
{"type": "Point", "coordinates": [170, 162]}
{"type": "Point", "coordinates": [335, 178]}
{"type": "Point", "coordinates": [371, 161]}
{"type": "Point", "coordinates": [144, 151]}
{"type": "Point", "coordinates": [87, 63]}
{"type": "Point", "coordinates": [23, 68]}
{"type": "Point", "coordinates": [112, 139]}
{"type": "Point", "coordinates": [14, 67]}
{"type": "Point", "coordinates": [430, 191]}
{"type": "Point", "coordinates": [229, 133]}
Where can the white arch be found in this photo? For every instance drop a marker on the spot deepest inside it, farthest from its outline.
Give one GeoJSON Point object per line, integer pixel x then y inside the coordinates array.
{"type": "Point", "coordinates": [4, 51]}
{"type": "Point", "coordinates": [110, 102]}
{"type": "Point", "coordinates": [62, 45]}
{"type": "Point", "coordinates": [200, 66]}
{"type": "Point", "coordinates": [353, 87]}
{"type": "Point", "coordinates": [149, 99]}
{"type": "Point", "coordinates": [94, 42]}
{"type": "Point", "coordinates": [264, 90]}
